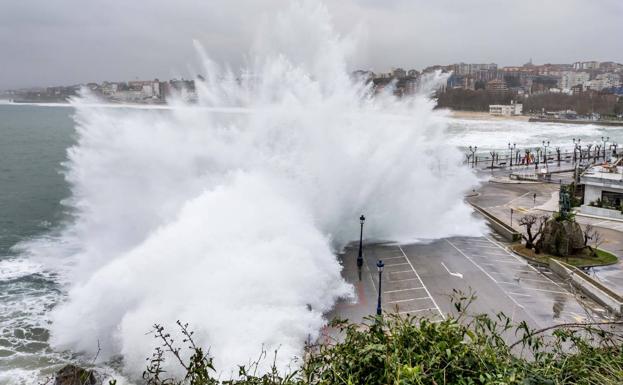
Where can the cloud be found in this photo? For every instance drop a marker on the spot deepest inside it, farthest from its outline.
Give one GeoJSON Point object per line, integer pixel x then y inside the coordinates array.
{"type": "Point", "coordinates": [70, 41]}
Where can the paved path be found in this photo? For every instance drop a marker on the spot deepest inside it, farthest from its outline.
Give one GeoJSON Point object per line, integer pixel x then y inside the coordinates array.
{"type": "Point", "coordinates": [498, 199]}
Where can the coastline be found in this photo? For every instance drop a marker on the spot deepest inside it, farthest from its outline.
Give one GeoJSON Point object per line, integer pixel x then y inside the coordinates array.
{"type": "Point", "coordinates": [481, 115]}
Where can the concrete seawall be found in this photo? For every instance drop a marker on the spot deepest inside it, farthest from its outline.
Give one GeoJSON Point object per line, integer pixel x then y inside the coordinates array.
{"type": "Point", "coordinates": [500, 227]}
{"type": "Point", "coordinates": [573, 121]}
{"type": "Point", "coordinates": [589, 286]}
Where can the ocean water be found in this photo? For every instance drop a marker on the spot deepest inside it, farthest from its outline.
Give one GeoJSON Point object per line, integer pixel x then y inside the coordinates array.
{"type": "Point", "coordinates": [33, 144]}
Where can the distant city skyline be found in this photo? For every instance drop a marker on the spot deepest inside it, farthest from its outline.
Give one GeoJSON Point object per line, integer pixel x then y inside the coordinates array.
{"type": "Point", "coordinates": [64, 42]}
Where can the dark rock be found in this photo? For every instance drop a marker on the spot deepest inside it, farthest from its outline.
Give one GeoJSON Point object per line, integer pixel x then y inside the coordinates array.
{"type": "Point", "coordinates": [74, 375]}
{"type": "Point", "coordinates": [561, 238]}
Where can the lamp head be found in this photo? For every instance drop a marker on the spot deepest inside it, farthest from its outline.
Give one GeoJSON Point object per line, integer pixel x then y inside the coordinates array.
{"type": "Point", "coordinates": [362, 219]}
{"type": "Point", "coordinates": [380, 265]}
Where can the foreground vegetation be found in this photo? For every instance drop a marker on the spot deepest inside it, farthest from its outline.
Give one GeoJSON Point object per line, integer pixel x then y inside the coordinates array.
{"type": "Point", "coordinates": [407, 350]}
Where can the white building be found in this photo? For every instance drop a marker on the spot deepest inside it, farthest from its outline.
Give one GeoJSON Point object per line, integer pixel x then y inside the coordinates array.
{"type": "Point", "coordinates": [109, 88]}
{"type": "Point", "coordinates": [586, 65]}
{"type": "Point", "coordinates": [602, 81]}
{"type": "Point", "coordinates": [505, 109]}
{"type": "Point", "coordinates": [603, 191]}
{"type": "Point", "coordinates": [569, 79]}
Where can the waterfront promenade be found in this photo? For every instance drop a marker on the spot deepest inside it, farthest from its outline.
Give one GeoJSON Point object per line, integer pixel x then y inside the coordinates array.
{"type": "Point", "coordinates": [419, 279]}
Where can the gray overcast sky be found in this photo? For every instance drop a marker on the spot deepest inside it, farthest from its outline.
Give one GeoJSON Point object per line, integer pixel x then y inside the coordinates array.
{"type": "Point", "coordinates": [52, 42]}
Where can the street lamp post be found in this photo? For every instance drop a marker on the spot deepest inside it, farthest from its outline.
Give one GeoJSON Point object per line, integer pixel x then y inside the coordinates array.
{"type": "Point", "coordinates": [512, 148]}
{"type": "Point", "coordinates": [605, 141]}
{"type": "Point", "coordinates": [379, 265]}
{"type": "Point", "coordinates": [576, 147]}
{"type": "Point", "coordinates": [473, 151]}
{"type": "Point", "coordinates": [362, 219]}
{"type": "Point", "coordinates": [588, 152]}
{"type": "Point", "coordinates": [597, 152]}
{"type": "Point", "coordinates": [545, 145]}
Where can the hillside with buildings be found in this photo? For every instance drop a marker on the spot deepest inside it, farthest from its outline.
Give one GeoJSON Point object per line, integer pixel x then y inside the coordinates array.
{"type": "Point", "coordinates": [586, 89]}
{"type": "Point", "coordinates": [583, 89]}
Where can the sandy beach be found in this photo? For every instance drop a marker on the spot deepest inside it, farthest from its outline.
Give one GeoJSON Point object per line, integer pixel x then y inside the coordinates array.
{"type": "Point", "coordinates": [477, 115]}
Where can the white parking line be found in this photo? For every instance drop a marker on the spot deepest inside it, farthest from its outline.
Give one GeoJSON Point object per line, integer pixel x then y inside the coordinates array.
{"type": "Point", "coordinates": [548, 291]}
{"type": "Point", "coordinates": [535, 280]}
{"type": "Point", "coordinates": [536, 289]}
{"type": "Point", "coordinates": [401, 271]}
{"type": "Point", "coordinates": [396, 264]}
{"type": "Point", "coordinates": [403, 280]}
{"type": "Point", "coordinates": [506, 273]}
{"type": "Point", "coordinates": [408, 300]}
{"type": "Point", "coordinates": [478, 246]}
{"type": "Point", "coordinates": [500, 260]}
{"type": "Point", "coordinates": [487, 274]}
{"type": "Point", "coordinates": [516, 199]}
{"type": "Point", "coordinates": [417, 311]}
{"type": "Point", "coordinates": [399, 290]}
{"type": "Point", "coordinates": [478, 243]}
{"type": "Point", "coordinates": [427, 292]}
{"type": "Point", "coordinates": [519, 259]}
{"type": "Point", "coordinates": [389, 258]}
{"type": "Point", "coordinates": [510, 269]}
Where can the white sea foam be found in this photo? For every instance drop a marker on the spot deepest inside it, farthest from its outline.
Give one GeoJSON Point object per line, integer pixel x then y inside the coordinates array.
{"type": "Point", "coordinates": [230, 221]}
{"type": "Point", "coordinates": [15, 268]}
{"type": "Point", "coordinates": [495, 134]}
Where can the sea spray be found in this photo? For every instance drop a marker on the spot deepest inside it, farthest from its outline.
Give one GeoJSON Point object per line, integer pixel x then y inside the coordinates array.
{"type": "Point", "coordinates": [227, 214]}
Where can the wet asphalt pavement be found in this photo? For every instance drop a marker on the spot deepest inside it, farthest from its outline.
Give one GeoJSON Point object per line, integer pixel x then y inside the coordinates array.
{"type": "Point", "coordinates": [419, 279]}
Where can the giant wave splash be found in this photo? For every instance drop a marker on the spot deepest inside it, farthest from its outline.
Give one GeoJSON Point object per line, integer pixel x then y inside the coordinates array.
{"type": "Point", "coordinates": [227, 214]}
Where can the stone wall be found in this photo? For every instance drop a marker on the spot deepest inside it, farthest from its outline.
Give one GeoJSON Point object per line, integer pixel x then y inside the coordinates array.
{"type": "Point", "coordinates": [601, 212]}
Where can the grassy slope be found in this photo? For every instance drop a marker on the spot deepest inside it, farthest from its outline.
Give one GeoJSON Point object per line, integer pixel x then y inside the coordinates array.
{"type": "Point", "coordinates": [582, 260]}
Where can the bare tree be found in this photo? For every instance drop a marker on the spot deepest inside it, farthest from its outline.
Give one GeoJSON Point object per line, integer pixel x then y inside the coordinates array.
{"type": "Point", "coordinates": [597, 241]}
{"type": "Point", "coordinates": [588, 234]}
{"type": "Point", "coordinates": [595, 238]}
{"type": "Point", "coordinates": [493, 153]}
{"type": "Point", "coordinates": [534, 227]}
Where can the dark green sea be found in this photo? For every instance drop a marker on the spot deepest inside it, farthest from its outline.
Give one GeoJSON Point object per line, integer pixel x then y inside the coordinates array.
{"type": "Point", "coordinates": [33, 145]}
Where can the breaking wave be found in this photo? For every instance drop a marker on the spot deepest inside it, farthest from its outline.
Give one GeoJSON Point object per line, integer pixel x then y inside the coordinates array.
{"type": "Point", "coordinates": [227, 214]}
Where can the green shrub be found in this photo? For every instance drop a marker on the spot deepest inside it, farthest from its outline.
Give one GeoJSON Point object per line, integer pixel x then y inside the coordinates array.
{"type": "Point", "coordinates": [395, 349]}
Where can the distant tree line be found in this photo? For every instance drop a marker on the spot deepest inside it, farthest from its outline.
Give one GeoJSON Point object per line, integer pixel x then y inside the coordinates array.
{"type": "Point", "coordinates": [583, 103]}
{"type": "Point", "coordinates": [480, 99]}
{"type": "Point", "coordinates": [469, 100]}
